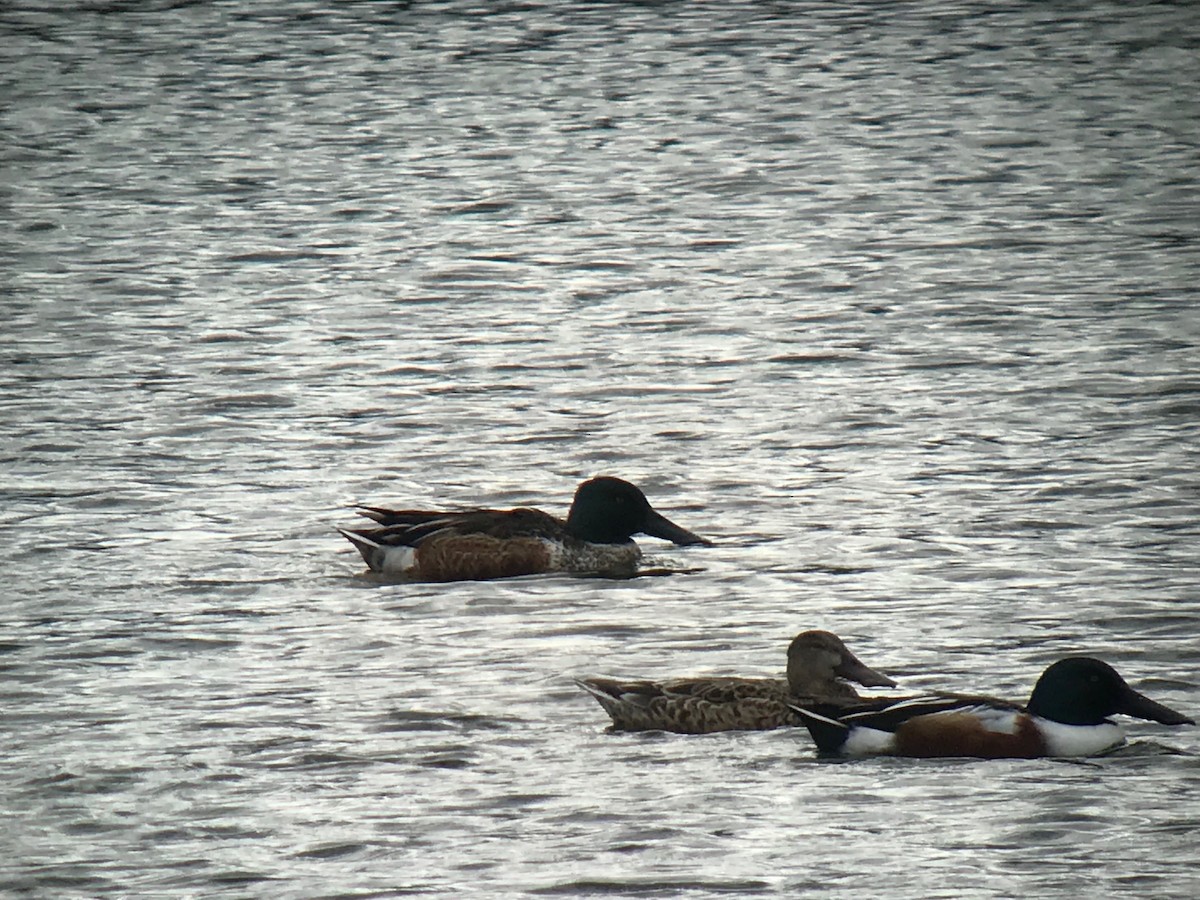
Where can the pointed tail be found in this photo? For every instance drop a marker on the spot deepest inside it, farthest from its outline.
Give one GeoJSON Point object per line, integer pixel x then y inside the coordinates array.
{"type": "Point", "coordinates": [372, 553]}
{"type": "Point", "coordinates": [828, 734]}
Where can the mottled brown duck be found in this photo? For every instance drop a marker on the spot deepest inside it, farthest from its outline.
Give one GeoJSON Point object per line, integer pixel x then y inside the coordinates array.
{"type": "Point", "coordinates": [819, 666]}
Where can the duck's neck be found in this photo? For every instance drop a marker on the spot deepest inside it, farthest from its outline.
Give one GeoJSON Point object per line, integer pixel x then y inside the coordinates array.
{"type": "Point", "coordinates": [596, 529]}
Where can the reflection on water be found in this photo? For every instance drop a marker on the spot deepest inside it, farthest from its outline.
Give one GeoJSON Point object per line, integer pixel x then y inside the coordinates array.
{"type": "Point", "coordinates": [895, 303]}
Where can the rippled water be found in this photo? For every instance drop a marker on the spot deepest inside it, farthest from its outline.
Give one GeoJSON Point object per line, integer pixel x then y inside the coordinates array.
{"type": "Point", "coordinates": [897, 303]}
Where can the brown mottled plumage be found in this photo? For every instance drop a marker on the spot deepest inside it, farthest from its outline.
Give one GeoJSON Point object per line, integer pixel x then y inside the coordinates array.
{"type": "Point", "coordinates": [817, 661]}
{"type": "Point", "coordinates": [478, 544]}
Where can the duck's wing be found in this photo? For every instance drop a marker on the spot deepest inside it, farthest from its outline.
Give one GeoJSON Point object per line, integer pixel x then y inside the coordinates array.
{"type": "Point", "coordinates": [889, 713]}
{"type": "Point", "coordinates": [869, 726]}
{"type": "Point", "coordinates": [724, 690]}
{"type": "Point", "coordinates": [409, 527]}
{"type": "Point", "coordinates": [692, 705]}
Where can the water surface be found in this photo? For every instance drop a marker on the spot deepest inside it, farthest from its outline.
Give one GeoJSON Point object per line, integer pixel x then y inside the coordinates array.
{"type": "Point", "coordinates": [896, 304]}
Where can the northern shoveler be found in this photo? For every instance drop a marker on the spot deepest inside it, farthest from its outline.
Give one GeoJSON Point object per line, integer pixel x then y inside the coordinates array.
{"type": "Point", "coordinates": [479, 544]}
{"type": "Point", "coordinates": [816, 662]}
{"type": "Point", "coordinates": [1067, 715]}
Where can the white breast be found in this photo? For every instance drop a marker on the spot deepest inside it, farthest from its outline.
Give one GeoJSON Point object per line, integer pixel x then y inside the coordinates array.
{"type": "Point", "coordinates": [1080, 740]}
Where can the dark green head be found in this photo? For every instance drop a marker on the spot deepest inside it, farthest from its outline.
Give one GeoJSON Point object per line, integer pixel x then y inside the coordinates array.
{"type": "Point", "coordinates": [610, 511]}
{"type": "Point", "coordinates": [1080, 690]}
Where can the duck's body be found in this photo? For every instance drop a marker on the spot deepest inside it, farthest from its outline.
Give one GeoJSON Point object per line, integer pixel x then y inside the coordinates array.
{"type": "Point", "coordinates": [1067, 715]}
{"type": "Point", "coordinates": [699, 705]}
{"type": "Point", "coordinates": [817, 663]}
{"type": "Point", "coordinates": [480, 544]}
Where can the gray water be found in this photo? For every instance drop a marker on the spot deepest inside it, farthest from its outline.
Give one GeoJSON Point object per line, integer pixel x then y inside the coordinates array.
{"type": "Point", "coordinates": [895, 302]}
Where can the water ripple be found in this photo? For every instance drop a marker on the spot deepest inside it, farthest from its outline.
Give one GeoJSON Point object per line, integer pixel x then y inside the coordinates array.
{"type": "Point", "coordinates": [894, 304]}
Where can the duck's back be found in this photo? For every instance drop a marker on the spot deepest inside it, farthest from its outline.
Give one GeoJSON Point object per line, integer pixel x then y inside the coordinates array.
{"type": "Point", "coordinates": [694, 705]}
{"type": "Point", "coordinates": [411, 526]}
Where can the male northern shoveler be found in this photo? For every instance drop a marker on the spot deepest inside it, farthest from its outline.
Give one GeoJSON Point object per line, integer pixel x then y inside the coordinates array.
{"type": "Point", "coordinates": [478, 544]}
{"type": "Point", "coordinates": [1067, 715]}
{"type": "Point", "coordinates": [816, 661]}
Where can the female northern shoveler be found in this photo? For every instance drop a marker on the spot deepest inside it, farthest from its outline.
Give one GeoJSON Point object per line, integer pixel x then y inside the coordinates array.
{"type": "Point", "coordinates": [816, 661]}
{"type": "Point", "coordinates": [1067, 715]}
{"type": "Point", "coordinates": [478, 544]}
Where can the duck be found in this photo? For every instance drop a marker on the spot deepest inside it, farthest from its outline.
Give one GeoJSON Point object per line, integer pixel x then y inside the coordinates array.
{"type": "Point", "coordinates": [595, 539]}
{"type": "Point", "coordinates": [817, 663]}
{"type": "Point", "coordinates": [1067, 715]}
